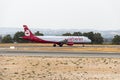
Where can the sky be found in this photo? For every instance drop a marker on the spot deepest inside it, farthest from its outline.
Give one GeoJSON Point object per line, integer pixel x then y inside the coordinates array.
{"type": "Point", "coordinates": [61, 14]}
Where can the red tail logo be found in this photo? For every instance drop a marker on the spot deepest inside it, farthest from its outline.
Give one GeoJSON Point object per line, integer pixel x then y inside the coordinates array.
{"type": "Point", "coordinates": [27, 31]}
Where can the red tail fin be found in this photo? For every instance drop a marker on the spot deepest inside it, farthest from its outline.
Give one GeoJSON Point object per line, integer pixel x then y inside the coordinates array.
{"type": "Point", "coordinates": [27, 31]}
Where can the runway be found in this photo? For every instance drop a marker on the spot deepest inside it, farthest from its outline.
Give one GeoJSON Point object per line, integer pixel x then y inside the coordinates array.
{"type": "Point", "coordinates": [59, 54]}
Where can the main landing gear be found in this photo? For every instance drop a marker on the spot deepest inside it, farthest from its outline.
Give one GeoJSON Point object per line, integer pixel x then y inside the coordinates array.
{"type": "Point", "coordinates": [54, 45]}
{"type": "Point", "coordinates": [60, 45]}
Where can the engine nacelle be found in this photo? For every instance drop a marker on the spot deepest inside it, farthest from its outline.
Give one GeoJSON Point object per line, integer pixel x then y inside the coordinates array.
{"type": "Point", "coordinates": [70, 43]}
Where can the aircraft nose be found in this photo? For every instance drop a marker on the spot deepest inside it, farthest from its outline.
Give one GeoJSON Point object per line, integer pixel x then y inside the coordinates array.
{"type": "Point", "coordinates": [90, 41]}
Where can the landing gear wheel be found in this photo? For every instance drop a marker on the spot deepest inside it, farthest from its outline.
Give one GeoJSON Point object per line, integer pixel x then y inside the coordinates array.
{"type": "Point", "coordinates": [83, 45]}
{"type": "Point", "coordinates": [61, 45]}
{"type": "Point", "coordinates": [54, 45]}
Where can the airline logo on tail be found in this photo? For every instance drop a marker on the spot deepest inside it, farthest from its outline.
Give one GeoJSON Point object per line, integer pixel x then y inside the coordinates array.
{"type": "Point", "coordinates": [27, 31]}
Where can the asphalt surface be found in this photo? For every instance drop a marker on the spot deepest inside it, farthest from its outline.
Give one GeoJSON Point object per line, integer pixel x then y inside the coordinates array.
{"type": "Point", "coordinates": [59, 54]}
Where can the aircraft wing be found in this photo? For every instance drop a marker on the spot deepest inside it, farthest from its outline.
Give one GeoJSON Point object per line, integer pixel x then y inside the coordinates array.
{"type": "Point", "coordinates": [64, 41]}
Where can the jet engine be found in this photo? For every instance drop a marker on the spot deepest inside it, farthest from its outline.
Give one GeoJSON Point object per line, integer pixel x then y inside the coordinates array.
{"type": "Point", "coordinates": [70, 43]}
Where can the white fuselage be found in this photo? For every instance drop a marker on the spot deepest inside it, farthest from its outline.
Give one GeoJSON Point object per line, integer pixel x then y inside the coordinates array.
{"type": "Point", "coordinates": [74, 39]}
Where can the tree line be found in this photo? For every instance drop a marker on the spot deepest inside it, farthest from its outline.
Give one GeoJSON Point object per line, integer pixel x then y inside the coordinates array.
{"type": "Point", "coordinates": [96, 38]}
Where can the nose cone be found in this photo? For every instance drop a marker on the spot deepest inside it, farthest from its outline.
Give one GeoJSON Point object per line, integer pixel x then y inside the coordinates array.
{"type": "Point", "coordinates": [89, 41]}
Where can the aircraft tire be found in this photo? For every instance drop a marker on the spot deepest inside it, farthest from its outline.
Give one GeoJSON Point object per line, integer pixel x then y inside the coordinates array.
{"type": "Point", "coordinates": [61, 45]}
{"type": "Point", "coordinates": [54, 45]}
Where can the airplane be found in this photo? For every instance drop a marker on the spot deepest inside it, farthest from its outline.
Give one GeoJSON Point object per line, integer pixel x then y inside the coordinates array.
{"type": "Point", "coordinates": [55, 40]}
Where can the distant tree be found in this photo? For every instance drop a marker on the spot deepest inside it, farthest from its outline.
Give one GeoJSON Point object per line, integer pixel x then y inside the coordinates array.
{"type": "Point", "coordinates": [39, 34]}
{"type": "Point", "coordinates": [18, 39]}
{"type": "Point", "coordinates": [67, 34]}
{"type": "Point", "coordinates": [116, 39]}
{"type": "Point", "coordinates": [98, 39]}
{"type": "Point", "coordinates": [77, 34]}
{"type": "Point", "coordinates": [7, 39]}
{"type": "Point", "coordinates": [0, 38]}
